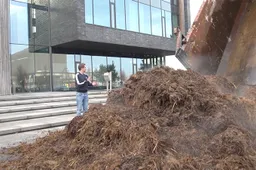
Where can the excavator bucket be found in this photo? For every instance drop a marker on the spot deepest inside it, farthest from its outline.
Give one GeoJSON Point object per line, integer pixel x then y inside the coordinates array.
{"type": "Point", "coordinates": [222, 41]}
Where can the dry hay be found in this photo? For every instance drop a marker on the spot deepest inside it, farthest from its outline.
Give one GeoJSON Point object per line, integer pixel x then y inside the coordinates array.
{"type": "Point", "coordinates": [162, 119]}
{"type": "Point", "coordinates": [222, 84]}
{"type": "Point", "coordinates": [225, 86]}
{"type": "Point", "coordinates": [247, 92]}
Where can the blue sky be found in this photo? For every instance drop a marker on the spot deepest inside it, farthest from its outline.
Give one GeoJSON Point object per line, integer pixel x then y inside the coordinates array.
{"type": "Point", "coordinates": [194, 7]}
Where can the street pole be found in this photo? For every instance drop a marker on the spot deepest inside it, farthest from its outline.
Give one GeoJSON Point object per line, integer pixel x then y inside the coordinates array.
{"type": "Point", "coordinates": [5, 67]}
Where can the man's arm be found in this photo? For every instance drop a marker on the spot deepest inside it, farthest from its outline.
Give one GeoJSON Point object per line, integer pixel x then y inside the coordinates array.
{"type": "Point", "coordinates": [89, 82]}
{"type": "Point", "coordinates": [78, 81]}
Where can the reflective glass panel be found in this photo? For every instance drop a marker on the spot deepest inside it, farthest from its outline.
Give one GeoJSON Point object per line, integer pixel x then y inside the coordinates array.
{"type": "Point", "coordinates": [145, 18]}
{"type": "Point", "coordinates": [63, 72]}
{"type": "Point", "coordinates": [25, 1]}
{"type": "Point", "coordinates": [126, 69]}
{"type": "Point", "coordinates": [19, 22]}
{"type": "Point", "coordinates": [175, 20]}
{"type": "Point", "coordinates": [132, 15]}
{"type": "Point", "coordinates": [140, 64]}
{"type": "Point", "coordinates": [168, 19]}
{"type": "Point", "coordinates": [156, 3]}
{"type": "Point", "coordinates": [114, 66]}
{"type": "Point", "coordinates": [102, 13]}
{"type": "Point", "coordinates": [166, 6]}
{"type": "Point", "coordinates": [42, 69]}
{"type": "Point", "coordinates": [120, 14]}
{"type": "Point", "coordinates": [156, 22]}
{"type": "Point", "coordinates": [99, 68]}
{"type": "Point", "coordinates": [30, 68]}
{"type": "Point", "coordinates": [88, 12]}
{"type": "Point", "coordinates": [145, 2]}
{"type": "Point", "coordinates": [86, 59]}
{"type": "Point", "coordinates": [113, 22]}
{"type": "Point", "coordinates": [40, 23]}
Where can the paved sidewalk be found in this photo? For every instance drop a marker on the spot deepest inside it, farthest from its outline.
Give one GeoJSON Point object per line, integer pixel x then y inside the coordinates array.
{"type": "Point", "coordinates": [15, 139]}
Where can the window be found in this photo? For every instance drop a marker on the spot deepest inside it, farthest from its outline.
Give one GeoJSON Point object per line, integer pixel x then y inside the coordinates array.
{"type": "Point", "coordinates": [120, 14]}
{"type": "Point", "coordinates": [113, 19]}
{"type": "Point", "coordinates": [126, 70]}
{"type": "Point", "coordinates": [30, 70]}
{"type": "Point", "coordinates": [145, 19]}
{"type": "Point", "coordinates": [114, 65]}
{"type": "Point", "coordinates": [88, 12]}
{"type": "Point", "coordinates": [99, 64]}
{"type": "Point", "coordinates": [102, 13]}
{"type": "Point", "coordinates": [70, 63]}
{"type": "Point", "coordinates": [25, 1]}
{"type": "Point", "coordinates": [175, 20]}
{"type": "Point", "coordinates": [86, 59]}
{"type": "Point", "coordinates": [19, 22]}
{"type": "Point", "coordinates": [156, 3]}
{"type": "Point", "coordinates": [167, 23]}
{"type": "Point", "coordinates": [42, 69]}
{"type": "Point", "coordinates": [156, 21]}
{"type": "Point", "coordinates": [140, 64]}
{"type": "Point", "coordinates": [132, 15]}
{"type": "Point", "coordinates": [159, 61]}
{"type": "Point", "coordinates": [63, 72]}
{"type": "Point", "coordinates": [166, 6]}
{"type": "Point", "coordinates": [145, 2]}
{"type": "Point", "coordinates": [40, 22]}
{"type": "Point", "coordinates": [164, 23]}
{"type": "Point", "coordinates": [78, 58]}
{"type": "Point", "coordinates": [168, 19]}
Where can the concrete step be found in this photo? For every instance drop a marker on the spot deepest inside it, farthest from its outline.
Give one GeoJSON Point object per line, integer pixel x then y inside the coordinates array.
{"type": "Point", "coordinates": [40, 106]}
{"type": "Point", "coordinates": [8, 117]}
{"type": "Point", "coordinates": [47, 100]}
{"type": "Point", "coordinates": [34, 124]}
{"type": "Point", "coordinates": [12, 140]}
{"type": "Point", "coordinates": [27, 96]}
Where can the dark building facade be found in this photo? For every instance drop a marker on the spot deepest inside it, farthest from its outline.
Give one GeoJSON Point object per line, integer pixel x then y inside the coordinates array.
{"type": "Point", "coordinates": [49, 38]}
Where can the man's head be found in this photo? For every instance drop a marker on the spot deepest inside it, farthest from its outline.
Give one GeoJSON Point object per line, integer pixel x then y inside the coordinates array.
{"type": "Point", "coordinates": [82, 67]}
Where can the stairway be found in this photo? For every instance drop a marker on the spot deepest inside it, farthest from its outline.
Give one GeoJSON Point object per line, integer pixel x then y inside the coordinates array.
{"type": "Point", "coordinates": [39, 111]}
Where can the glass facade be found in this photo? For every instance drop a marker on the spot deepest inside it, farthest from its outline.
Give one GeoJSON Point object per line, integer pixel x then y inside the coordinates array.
{"type": "Point", "coordinates": [144, 16]}
{"type": "Point", "coordinates": [36, 69]}
{"type": "Point", "coordinates": [30, 59]}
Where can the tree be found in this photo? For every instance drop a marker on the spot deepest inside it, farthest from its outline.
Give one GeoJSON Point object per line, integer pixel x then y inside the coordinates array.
{"type": "Point", "coordinates": [99, 73]}
{"type": "Point", "coordinates": [112, 68]}
{"type": "Point", "coordinates": [21, 77]}
{"type": "Point", "coordinates": [123, 76]}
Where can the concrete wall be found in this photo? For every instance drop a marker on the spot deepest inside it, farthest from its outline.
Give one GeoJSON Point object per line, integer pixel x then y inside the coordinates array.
{"type": "Point", "coordinates": [5, 71]}
{"type": "Point", "coordinates": [95, 33]}
{"type": "Point", "coordinates": [63, 21]}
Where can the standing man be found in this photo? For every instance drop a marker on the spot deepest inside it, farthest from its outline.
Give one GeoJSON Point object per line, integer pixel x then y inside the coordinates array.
{"type": "Point", "coordinates": [82, 84]}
